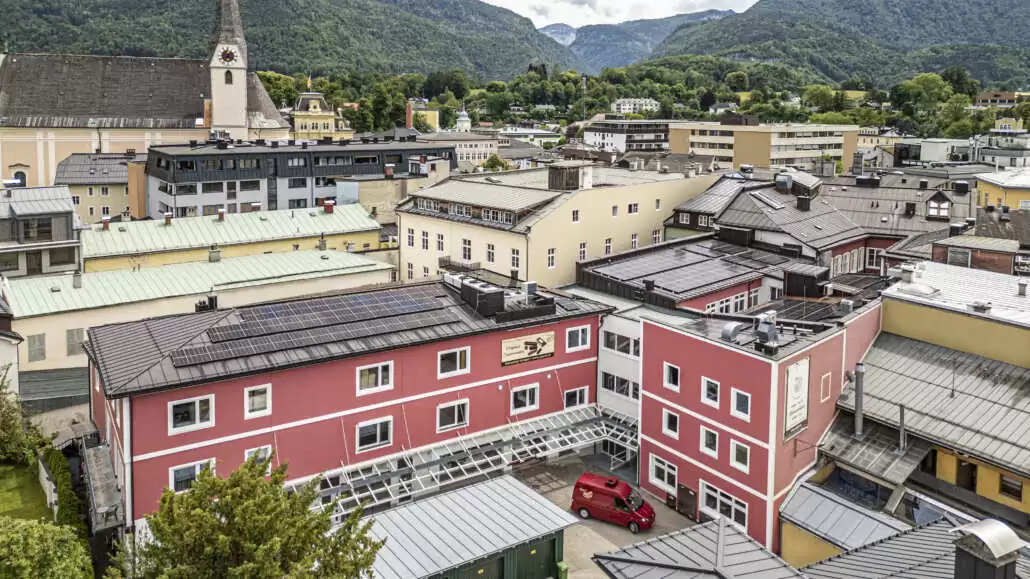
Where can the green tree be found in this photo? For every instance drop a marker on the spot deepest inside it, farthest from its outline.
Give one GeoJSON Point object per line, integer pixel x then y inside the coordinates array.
{"type": "Point", "coordinates": [248, 525]}
{"type": "Point", "coordinates": [18, 442]}
{"type": "Point", "coordinates": [960, 81]}
{"type": "Point", "coordinates": [420, 124]}
{"type": "Point", "coordinates": [737, 81]}
{"type": "Point", "coordinates": [819, 96]}
{"type": "Point", "coordinates": [934, 89]}
{"type": "Point", "coordinates": [495, 163]}
{"type": "Point", "coordinates": [830, 118]}
{"type": "Point", "coordinates": [1022, 111]}
{"type": "Point", "coordinates": [42, 550]}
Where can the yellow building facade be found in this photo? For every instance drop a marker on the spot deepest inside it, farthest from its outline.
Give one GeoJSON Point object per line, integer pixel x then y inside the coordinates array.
{"type": "Point", "coordinates": [1009, 188]}
{"type": "Point", "coordinates": [987, 480]}
{"type": "Point", "coordinates": [761, 145]}
{"type": "Point", "coordinates": [314, 119]}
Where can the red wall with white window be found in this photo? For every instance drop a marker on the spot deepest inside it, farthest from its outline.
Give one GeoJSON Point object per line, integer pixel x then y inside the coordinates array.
{"type": "Point", "coordinates": [701, 302]}
{"type": "Point", "coordinates": [315, 409]}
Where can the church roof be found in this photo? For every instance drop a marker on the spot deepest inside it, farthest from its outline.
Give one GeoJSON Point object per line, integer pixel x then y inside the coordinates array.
{"type": "Point", "coordinates": [74, 91]}
{"type": "Point", "coordinates": [230, 25]}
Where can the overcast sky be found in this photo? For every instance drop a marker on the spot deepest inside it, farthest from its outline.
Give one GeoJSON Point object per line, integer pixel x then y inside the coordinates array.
{"type": "Point", "coordinates": [582, 12]}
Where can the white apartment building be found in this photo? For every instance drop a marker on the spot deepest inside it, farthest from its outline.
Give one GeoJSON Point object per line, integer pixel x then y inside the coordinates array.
{"type": "Point", "coordinates": [471, 148]}
{"type": "Point", "coordinates": [635, 106]}
{"type": "Point", "coordinates": [625, 136]}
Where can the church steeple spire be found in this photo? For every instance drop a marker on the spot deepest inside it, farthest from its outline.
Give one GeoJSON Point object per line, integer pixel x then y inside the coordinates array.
{"type": "Point", "coordinates": [230, 26]}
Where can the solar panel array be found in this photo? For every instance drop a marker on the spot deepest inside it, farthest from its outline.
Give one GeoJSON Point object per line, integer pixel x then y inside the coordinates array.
{"type": "Point", "coordinates": [253, 346]}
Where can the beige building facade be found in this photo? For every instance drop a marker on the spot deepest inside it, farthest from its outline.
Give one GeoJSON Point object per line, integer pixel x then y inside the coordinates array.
{"type": "Point", "coordinates": [526, 223]}
{"type": "Point", "coordinates": [762, 145]}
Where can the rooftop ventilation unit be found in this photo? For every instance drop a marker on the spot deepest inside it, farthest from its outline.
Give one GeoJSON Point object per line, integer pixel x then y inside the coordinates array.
{"type": "Point", "coordinates": [731, 330]}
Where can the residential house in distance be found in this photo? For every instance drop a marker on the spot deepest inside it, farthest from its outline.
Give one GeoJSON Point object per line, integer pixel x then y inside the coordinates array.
{"type": "Point", "coordinates": [745, 141]}
{"type": "Point", "coordinates": [528, 135]}
{"type": "Point", "coordinates": [722, 108]}
{"type": "Point", "coordinates": [314, 120]}
{"type": "Point", "coordinates": [1000, 243]}
{"type": "Point", "coordinates": [535, 225]}
{"type": "Point", "coordinates": [54, 312]}
{"type": "Point", "coordinates": [628, 106]}
{"type": "Point", "coordinates": [149, 243]}
{"type": "Point", "coordinates": [201, 179]}
{"type": "Point", "coordinates": [872, 137]}
{"type": "Point", "coordinates": [470, 149]}
{"type": "Point", "coordinates": [1004, 189]}
{"type": "Point", "coordinates": [431, 116]}
{"type": "Point", "coordinates": [358, 385]}
{"type": "Point", "coordinates": [521, 155]}
{"type": "Point", "coordinates": [997, 100]}
{"type": "Point", "coordinates": [37, 231]}
{"type": "Point", "coordinates": [1008, 145]}
{"type": "Point", "coordinates": [98, 183]}
{"type": "Point", "coordinates": [161, 101]}
{"type": "Point", "coordinates": [626, 136]}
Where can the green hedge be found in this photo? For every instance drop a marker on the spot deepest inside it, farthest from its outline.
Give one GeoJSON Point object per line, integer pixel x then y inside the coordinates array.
{"type": "Point", "coordinates": [69, 506]}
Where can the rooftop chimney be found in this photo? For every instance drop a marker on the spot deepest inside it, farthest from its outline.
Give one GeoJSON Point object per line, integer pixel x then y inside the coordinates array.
{"type": "Point", "coordinates": [902, 433]}
{"type": "Point", "coordinates": [221, 214]}
{"type": "Point", "coordinates": [1021, 288]}
{"type": "Point", "coordinates": [859, 395]}
{"type": "Point", "coordinates": [106, 223]}
{"type": "Point", "coordinates": [955, 229]}
{"type": "Point", "coordinates": [77, 280]}
{"type": "Point", "coordinates": [214, 255]}
{"type": "Point", "coordinates": [168, 217]}
{"type": "Point", "coordinates": [907, 271]}
{"type": "Point", "coordinates": [804, 203]}
{"type": "Point", "coordinates": [649, 285]}
{"type": "Point", "coordinates": [329, 206]}
{"type": "Point", "coordinates": [388, 171]}
{"type": "Point", "coordinates": [987, 549]}
{"type": "Point", "coordinates": [514, 277]}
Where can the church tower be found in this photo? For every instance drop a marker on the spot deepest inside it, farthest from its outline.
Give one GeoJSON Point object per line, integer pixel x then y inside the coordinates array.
{"type": "Point", "coordinates": [229, 73]}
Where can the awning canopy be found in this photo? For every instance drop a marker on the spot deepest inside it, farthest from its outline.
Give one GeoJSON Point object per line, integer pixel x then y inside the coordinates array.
{"type": "Point", "coordinates": [878, 453]}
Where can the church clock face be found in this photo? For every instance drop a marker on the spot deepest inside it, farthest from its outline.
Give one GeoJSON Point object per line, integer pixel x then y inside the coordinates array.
{"type": "Point", "coordinates": [227, 56]}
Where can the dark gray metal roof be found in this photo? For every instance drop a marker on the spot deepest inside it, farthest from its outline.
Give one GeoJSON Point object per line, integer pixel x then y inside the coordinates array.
{"type": "Point", "coordinates": [840, 521]}
{"type": "Point", "coordinates": [246, 148]}
{"type": "Point", "coordinates": [876, 453]}
{"type": "Point", "coordinates": [821, 227]}
{"type": "Point", "coordinates": [1016, 226]}
{"type": "Point", "coordinates": [173, 351]}
{"type": "Point", "coordinates": [49, 384]}
{"type": "Point", "coordinates": [717, 549]}
{"type": "Point", "coordinates": [94, 169]}
{"type": "Point", "coordinates": [75, 91]}
{"type": "Point", "coordinates": [36, 201]}
{"type": "Point", "coordinates": [447, 531]}
{"type": "Point", "coordinates": [958, 400]}
{"type": "Point", "coordinates": [882, 209]}
{"type": "Point", "coordinates": [918, 246]}
{"type": "Point", "coordinates": [716, 198]}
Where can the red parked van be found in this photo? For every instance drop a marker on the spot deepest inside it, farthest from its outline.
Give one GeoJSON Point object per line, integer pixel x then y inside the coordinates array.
{"type": "Point", "coordinates": [607, 498]}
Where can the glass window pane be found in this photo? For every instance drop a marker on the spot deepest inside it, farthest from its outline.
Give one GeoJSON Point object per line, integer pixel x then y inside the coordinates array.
{"type": "Point", "coordinates": [204, 405]}
{"type": "Point", "coordinates": [184, 414]}
{"type": "Point", "coordinates": [258, 400]}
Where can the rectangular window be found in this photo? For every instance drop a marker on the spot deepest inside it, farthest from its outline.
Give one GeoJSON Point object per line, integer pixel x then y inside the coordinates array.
{"type": "Point", "coordinates": [374, 434]}
{"type": "Point", "coordinates": [551, 258]}
{"type": "Point", "coordinates": [411, 237]}
{"type": "Point", "coordinates": [1011, 487]}
{"type": "Point", "coordinates": [425, 240]}
{"type": "Point", "coordinates": [105, 210]}
{"type": "Point", "coordinates": [622, 344]}
{"type": "Point", "coordinates": [452, 415]}
{"type": "Point", "coordinates": [716, 503]}
{"type": "Point", "coordinates": [752, 297]}
{"type": "Point", "coordinates": [670, 424]}
{"type": "Point", "coordinates": [741, 405]}
{"type": "Point", "coordinates": [192, 414]}
{"type": "Point", "coordinates": [411, 271]}
{"type": "Point", "coordinates": [425, 272]}
{"type": "Point", "coordinates": [959, 257]}
{"type": "Point", "coordinates": [375, 378]}
{"type": "Point", "coordinates": [250, 185]}
{"type": "Point", "coordinates": [453, 362]}
{"type": "Point", "coordinates": [633, 208]}
{"type": "Point", "coordinates": [257, 401]}
{"type": "Point", "coordinates": [619, 385]}
{"type": "Point", "coordinates": [37, 347]}
{"type": "Point", "coordinates": [74, 339]}
{"type": "Point", "coordinates": [263, 454]}
{"type": "Point", "coordinates": [615, 210]}
{"type": "Point", "coordinates": [873, 256]}
{"type": "Point", "coordinates": [663, 474]}
{"type": "Point", "coordinates": [575, 215]}
{"type": "Point", "coordinates": [325, 182]}
{"type": "Point", "coordinates": [608, 246]}
{"type": "Point", "coordinates": [633, 241]}
{"type": "Point", "coordinates": [466, 250]}
{"type": "Point", "coordinates": [671, 377]}
{"type": "Point", "coordinates": [92, 211]}
{"type": "Point", "coordinates": [489, 253]}
{"type": "Point", "coordinates": [576, 397]}
{"type": "Point", "coordinates": [297, 183]}
{"type": "Point", "coordinates": [75, 199]}
{"type": "Point", "coordinates": [525, 399]}
{"type": "Point", "coordinates": [583, 251]}
{"type": "Point", "coordinates": [709, 392]}
{"type": "Point", "coordinates": [825, 388]}
{"type": "Point", "coordinates": [9, 261]}
{"type": "Point", "coordinates": [296, 162]}
{"type": "Point", "coordinates": [180, 478]}
{"type": "Point", "coordinates": [439, 242]}
{"type": "Point", "coordinates": [214, 187]}
{"type": "Point", "coordinates": [656, 236]}
{"type": "Point", "coordinates": [684, 218]}
{"type": "Point", "coordinates": [577, 339]}
{"type": "Point", "coordinates": [516, 260]}
{"type": "Point", "coordinates": [740, 456]}
{"type": "Point", "coordinates": [710, 442]}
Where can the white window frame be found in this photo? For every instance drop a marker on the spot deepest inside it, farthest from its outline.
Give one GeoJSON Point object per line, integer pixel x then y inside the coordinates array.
{"type": "Point", "coordinates": [440, 428]}
{"type": "Point", "coordinates": [551, 255]}
{"type": "Point", "coordinates": [656, 236]}
{"type": "Point", "coordinates": [489, 253]}
{"type": "Point", "coordinates": [665, 377]}
{"type": "Point", "coordinates": [825, 387]}
{"type": "Point", "coordinates": [247, 414]}
{"type": "Point", "coordinates": [734, 393]}
{"type": "Point", "coordinates": [634, 241]}
{"type": "Point", "coordinates": [744, 468]}
{"type": "Point", "coordinates": [873, 255]}
{"type": "Point", "coordinates": [666, 413]}
{"type": "Point", "coordinates": [669, 467]}
{"type": "Point", "coordinates": [705, 486]}
{"type": "Point", "coordinates": [584, 344]}
{"type": "Point", "coordinates": [712, 452]}
{"type": "Point", "coordinates": [199, 425]}
{"type": "Point", "coordinates": [633, 208]}
{"type": "Point", "coordinates": [536, 399]}
{"type": "Point", "coordinates": [381, 387]}
{"type": "Point", "coordinates": [704, 392]}
{"type": "Point", "coordinates": [357, 434]}
{"type": "Point", "coordinates": [196, 472]}
{"type": "Point", "coordinates": [460, 371]}
{"type": "Point", "coordinates": [582, 251]}
{"type": "Point", "coordinates": [247, 453]}
{"type": "Point", "coordinates": [575, 215]}
{"type": "Point", "coordinates": [582, 393]}
{"type": "Point", "coordinates": [608, 246]}
{"type": "Point", "coordinates": [658, 204]}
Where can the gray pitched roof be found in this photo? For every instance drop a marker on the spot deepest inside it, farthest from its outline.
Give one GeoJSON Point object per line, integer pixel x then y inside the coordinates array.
{"type": "Point", "coordinates": [1016, 226]}
{"type": "Point", "coordinates": [840, 521]}
{"type": "Point", "coordinates": [715, 198]}
{"type": "Point", "coordinates": [716, 549]}
{"type": "Point", "coordinates": [36, 201]}
{"type": "Point", "coordinates": [821, 227]}
{"type": "Point", "coordinates": [502, 197]}
{"type": "Point", "coordinates": [175, 351]}
{"type": "Point", "coordinates": [962, 401]}
{"type": "Point", "coordinates": [882, 209]}
{"type": "Point", "coordinates": [66, 91]}
{"type": "Point", "coordinates": [94, 169]}
{"type": "Point", "coordinates": [444, 532]}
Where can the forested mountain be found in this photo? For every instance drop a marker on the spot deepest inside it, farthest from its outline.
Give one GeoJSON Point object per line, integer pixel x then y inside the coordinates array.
{"type": "Point", "coordinates": [561, 33]}
{"type": "Point", "coordinates": [315, 36]}
{"type": "Point", "coordinates": [881, 40]}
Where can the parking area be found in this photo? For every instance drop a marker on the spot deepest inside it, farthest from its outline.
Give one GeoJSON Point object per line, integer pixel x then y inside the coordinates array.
{"type": "Point", "coordinates": [555, 481]}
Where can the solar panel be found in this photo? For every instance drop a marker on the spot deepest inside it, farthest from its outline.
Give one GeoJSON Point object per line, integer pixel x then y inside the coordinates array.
{"type": "Point", "coordinates": [252, 346]}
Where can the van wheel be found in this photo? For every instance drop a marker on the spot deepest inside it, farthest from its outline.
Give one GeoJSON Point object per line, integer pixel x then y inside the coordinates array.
{"type": "Point", "coordinates": [634, 528]}
{"type": "Point", "coordinates": [584, 514]}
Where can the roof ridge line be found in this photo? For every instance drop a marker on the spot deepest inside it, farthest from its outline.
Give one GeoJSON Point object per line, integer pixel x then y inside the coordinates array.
{"type": "Point", "coordinates": [883, 540]}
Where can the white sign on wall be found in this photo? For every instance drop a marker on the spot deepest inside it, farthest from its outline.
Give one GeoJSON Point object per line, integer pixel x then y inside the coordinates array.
{"type": "Point", "coordinates": [795, 407]}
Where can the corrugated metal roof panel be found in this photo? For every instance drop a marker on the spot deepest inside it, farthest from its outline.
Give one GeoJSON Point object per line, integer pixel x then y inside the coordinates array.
{"type": "Point", "coordinates": [495, 196]}
{"type": "Point", "coordinates": [836, 519]}
{"type": "Point", "coordinates": [36, 201]}
{"type": "Point", "coordinates": [926, 552]}
{"type": "Point", "coordinates": [447, 531]}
